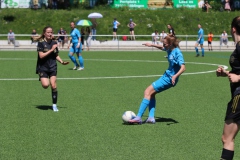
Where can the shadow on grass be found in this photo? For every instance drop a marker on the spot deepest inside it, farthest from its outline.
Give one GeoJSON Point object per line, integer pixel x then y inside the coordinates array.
{"type": "Point", "coordinates": [44, 107]}
{"type": "Point", "coordinates": [169, 120]}
{"type": "Point", "coordinates": [158, 119]}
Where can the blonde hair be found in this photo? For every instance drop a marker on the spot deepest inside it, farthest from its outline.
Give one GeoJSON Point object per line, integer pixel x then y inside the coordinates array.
{"type": "Point", "coordinates": [41, 37]}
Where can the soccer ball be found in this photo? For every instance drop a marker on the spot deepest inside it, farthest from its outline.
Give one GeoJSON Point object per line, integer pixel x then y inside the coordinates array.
{"type": "Point", "coordinates": [128, 115]}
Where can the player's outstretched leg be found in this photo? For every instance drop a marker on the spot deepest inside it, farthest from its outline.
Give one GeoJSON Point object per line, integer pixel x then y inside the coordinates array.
{"type": "Point", "coordinates": [142, 108]}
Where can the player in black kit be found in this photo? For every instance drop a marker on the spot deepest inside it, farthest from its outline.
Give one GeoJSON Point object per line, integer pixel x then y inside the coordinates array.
{"type": "Point", "coordinates": [232, 118]}
{"type": "Point", "coordinates": [46, 63]}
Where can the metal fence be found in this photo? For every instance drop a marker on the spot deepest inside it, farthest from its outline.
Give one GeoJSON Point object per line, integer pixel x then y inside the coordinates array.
{"type": "Point", "coordinates": [106, 42]}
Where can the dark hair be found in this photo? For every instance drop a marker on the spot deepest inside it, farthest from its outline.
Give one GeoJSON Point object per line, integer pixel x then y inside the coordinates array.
{"type": "Point", "coordinates": [82, 30]}
{"type": "Point", "coordinates": [88, 30]}
{"type": "Point", "coordinates": [236, 24]}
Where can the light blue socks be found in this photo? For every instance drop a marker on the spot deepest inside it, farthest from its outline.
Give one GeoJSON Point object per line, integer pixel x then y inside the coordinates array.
{"type": "Point", "coordinates": [152, 106]}
{"type": "Point", "coordinates": [202, 51]}
{"type": "Point", "coordinates": [73, 59]}
{"type": "Point", "coordinates": [80, 59]}
{"type": "Point", "coordinates": [196, 50]}
{"type": "Point", "coordinates": [143, 107]}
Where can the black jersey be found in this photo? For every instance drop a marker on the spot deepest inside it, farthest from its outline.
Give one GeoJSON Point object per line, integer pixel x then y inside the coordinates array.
{"type": "Point", "coordinates": [48, 63]}
{"type": "Point", "coordinates": [234, 62]}
{"type": "Point", "coordinates": [171, 31]}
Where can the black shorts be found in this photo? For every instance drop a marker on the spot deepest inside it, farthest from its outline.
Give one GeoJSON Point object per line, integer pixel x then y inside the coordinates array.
{"type": "Point", "coordinates": [209, 42]}
{"type": "Point", "coordinates": [131, 29]}
{"type": "Point", "coordinates": [114, 29]}
{"type": "Point", "coordinates": [233, 108]}
{"type": "Point", "coordinates": [61, 39]}
{"type": "Point", "coordinates": [44, 74]}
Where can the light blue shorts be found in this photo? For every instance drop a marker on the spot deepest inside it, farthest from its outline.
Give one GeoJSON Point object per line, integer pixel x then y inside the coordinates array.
{"type": "Point", "coordinates": [200, 42]}
{"type": "Point", "coordinates": [163, 83]}
{"type": "Point", "coordinates": [73, 49]}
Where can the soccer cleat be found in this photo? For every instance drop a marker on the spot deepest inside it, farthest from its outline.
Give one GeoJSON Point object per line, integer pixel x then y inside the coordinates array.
{"type": "Point", "coordinates": [55, 109]}
{"type": "Point", "coordinates": [80, 68]}
{"type": "Point", "coordinates": [166, 56]}
{"type": "Point", "coordinates": [137, 120]}
{"type": "Point", "coordinates": [75, 67]}
{"type": "Point", "coordinates": [150, 120]}
{"type": "Point", "coordinates": [202, 55]}
{"type": "Point", "coordinates": [197, 55]}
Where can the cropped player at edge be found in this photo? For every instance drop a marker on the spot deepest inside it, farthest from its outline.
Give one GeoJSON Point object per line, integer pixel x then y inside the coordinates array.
{"type": "Point", "coordinates": [232, 117]}
{"type": "Point", "coordinates": [169, 79]}
{"type": "Point", "coordinates": [46, 63]}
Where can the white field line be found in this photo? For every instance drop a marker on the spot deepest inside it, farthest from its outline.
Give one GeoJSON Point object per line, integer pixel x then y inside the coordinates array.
{"type": "Point", "coordinates": [116, 77]}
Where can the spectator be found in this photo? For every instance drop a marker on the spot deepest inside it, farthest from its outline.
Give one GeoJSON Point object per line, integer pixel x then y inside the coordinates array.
{"type": "Point", "coordinates": [34, 34]}
{"type": "Point", "coordinates": [35, 4]}
{"type": "Point", "coordinates": [155, 37]}
{"type": "Point", "coordinates": [224, 38]}
{"type": "Point", "coordinates": [162, 36]}
{"type": "Point", "coordinates": [171, 30]}
{"type": "Point", "coordinates": [65, 37]}
{"type": "Point", "coordinates": [54, 4]}
{"type": "Point", "coordinates": [206, 6]}
{"type": "Point", "coordinates": [227, 5]}
{"type": "Point", "coordinates": [82, 37]}
{"type": "Point", "coordinates": [88, 37]}
{"type": "Point", "coordinates": [61, 38]}
{"type": "Point", "coordinates": [131, 26]}
{"type": "Point", "coordinates": [11, 37]}
{"type": "Point", "coordinates": [210, 37]}
{"type": "Point", "coordinates": [115, 26]}
{"type": "Point", "coordinates": [94, 29]}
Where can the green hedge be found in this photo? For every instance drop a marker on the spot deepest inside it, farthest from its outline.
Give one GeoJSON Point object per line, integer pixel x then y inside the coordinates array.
{"type": "Point", "coordinates": [184, 21]}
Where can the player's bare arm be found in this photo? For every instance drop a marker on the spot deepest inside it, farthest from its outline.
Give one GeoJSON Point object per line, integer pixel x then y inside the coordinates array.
{"type": "Point", "coordinates": [153, 45]}
{"type": "Point", "coordinates": [174, 77]}
{"type": "Point", "coordinates": [42, 54]}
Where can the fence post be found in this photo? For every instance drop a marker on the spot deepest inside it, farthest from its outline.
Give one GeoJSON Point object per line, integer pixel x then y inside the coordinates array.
{"type": "Point", "coordinates": [186, 43]}
{"type": "Point", "coordinates": [118, 42]}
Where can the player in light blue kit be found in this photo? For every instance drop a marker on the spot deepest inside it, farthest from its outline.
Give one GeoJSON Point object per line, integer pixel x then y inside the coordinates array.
{"type": "Point", "coordinates": [76, 48]}
{"type": "Point", "coordinates": [169, 79]}
{"type": "Point", "coordinates": [200, 40]}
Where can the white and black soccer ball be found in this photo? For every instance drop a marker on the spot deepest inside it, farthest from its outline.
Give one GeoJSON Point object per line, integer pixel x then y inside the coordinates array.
{"type": "Point", "coordinates": [128, 115]}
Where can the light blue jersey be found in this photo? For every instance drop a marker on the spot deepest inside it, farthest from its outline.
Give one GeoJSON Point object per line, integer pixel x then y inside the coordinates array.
{"type": "Point", "coordinates": [201, 36]}
{"type": "Point", "coordinates": [175, 59]}
{"type": "Point", "coordinates": [115, 24]}
{"type": "Point", "coordinates": [75, 34]}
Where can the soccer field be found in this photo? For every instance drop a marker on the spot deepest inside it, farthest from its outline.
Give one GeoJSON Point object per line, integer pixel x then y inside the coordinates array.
{"type": "Point", "coordinates": [88, 125]}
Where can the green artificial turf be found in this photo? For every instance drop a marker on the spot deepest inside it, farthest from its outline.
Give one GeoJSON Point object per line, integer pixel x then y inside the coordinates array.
{"type": "Point", "coordinates": [88, 125]}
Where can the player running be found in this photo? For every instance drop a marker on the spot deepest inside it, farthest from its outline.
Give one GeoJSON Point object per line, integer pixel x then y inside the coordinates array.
{"type": "Point", "coordinates": [46, 63]}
